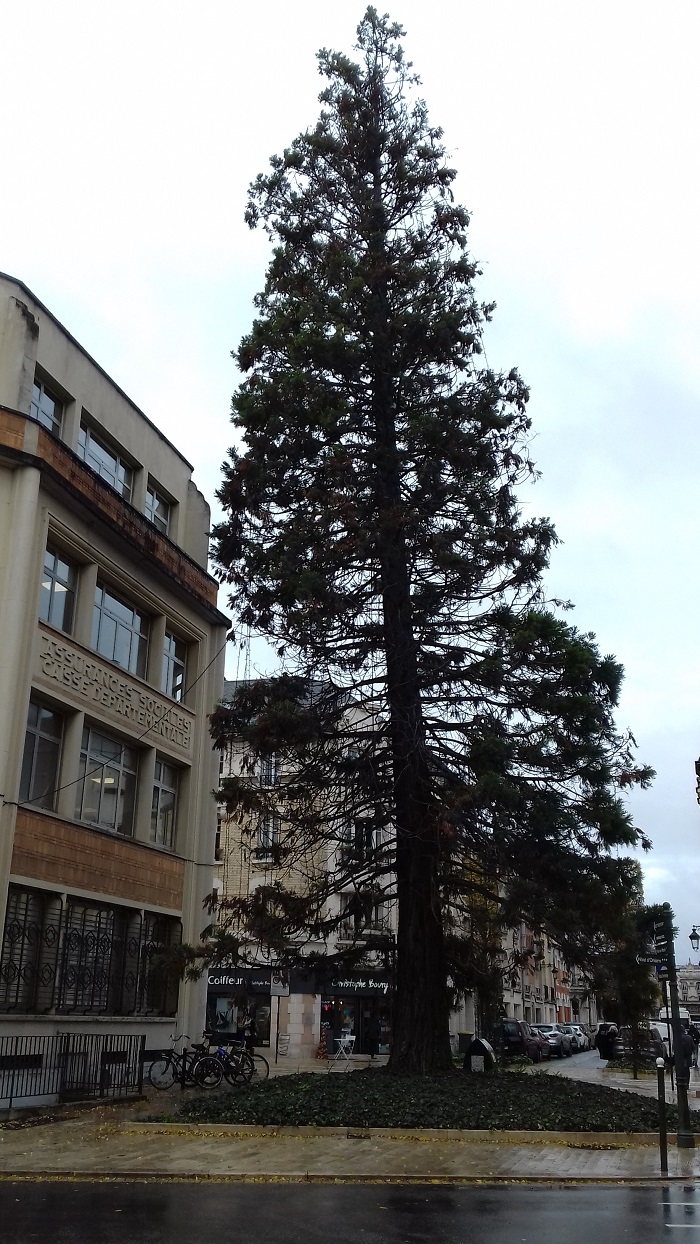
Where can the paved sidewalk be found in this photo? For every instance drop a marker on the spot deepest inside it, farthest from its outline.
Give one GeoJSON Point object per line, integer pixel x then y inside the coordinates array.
{"type": "Point", "coordinates": [107, 1143]}
{"type": "Point", "coordinates": [591, 1069]}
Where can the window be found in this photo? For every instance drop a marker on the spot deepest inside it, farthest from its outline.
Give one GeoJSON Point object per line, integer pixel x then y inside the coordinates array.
{"type": "Point", "coordinates": [360, 843]}
{"type": "Point", "coordinates": [119, 632]}
{"type": "Point", "coordinates": [268, 770]}
{"type": "Point", "coordinates": [268, 834]}
{"type": "Point", "coordinates": [58, 584]}
{"type": "Point", "coordinates": [42, 753]}
{"type": "Point", "coordinates": [164, 804]}
{"type": "Point", "coordinates": [93, 958]}
{"type": "Point", "coordinates": [361, 913]}
{"type": "Point", "coordinates": [46, 408]}
{"type": "Point", "coordinates": [106, 788]}
{"type": "Point", "coordinates": [157, 510]}
{"type": "Point", "coordinates": [174, 667]}
{"type": "Point", "coordinates": [105, 462]}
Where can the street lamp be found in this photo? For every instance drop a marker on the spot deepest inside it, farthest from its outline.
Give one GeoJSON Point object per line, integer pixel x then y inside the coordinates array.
{"type": "Point", "coordinates": [694, 938]}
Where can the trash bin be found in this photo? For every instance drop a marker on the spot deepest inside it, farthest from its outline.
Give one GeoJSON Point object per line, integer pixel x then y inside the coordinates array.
{"type": "Point", "coordinates": [479, 1056]}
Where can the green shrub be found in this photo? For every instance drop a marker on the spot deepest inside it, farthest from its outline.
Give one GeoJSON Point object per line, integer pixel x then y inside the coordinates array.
{"type": "Point", "coordinates": [373, 1098]}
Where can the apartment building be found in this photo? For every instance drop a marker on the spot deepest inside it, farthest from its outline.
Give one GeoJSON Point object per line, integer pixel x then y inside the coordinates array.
{"type": "Point", "coordinates": [353, 1006]}
{"type": "Point", "coordinates": [111, 658]}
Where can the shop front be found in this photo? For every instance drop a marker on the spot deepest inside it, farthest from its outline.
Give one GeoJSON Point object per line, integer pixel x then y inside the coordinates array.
{"type": "Point", "coordinates": [232, 995]}
{"type": "Point", "coordinates": [357, 1005]}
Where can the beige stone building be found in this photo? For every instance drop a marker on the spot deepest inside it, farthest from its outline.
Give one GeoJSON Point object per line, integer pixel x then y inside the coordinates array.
{"type": "Point", "coordinates": [111, 658]}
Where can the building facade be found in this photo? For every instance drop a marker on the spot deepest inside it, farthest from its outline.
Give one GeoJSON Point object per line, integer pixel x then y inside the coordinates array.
{"type": "Point", "coordinates": [111, 658]}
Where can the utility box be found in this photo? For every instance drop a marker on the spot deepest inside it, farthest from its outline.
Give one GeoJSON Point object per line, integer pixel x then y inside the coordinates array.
{"type": "Point", "coordinates": [479, 1056]}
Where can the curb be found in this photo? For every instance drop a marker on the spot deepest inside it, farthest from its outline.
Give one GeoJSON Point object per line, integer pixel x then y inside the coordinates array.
{"type": "Point", "coordinates": [318, 1178]}
{"type": "Point", "coordinates": [572, 1140]}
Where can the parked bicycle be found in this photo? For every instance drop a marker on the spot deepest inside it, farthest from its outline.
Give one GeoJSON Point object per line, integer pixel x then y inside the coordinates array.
{"type": "Point", "coordinates": [193, 1066]}
{"type": "Point", "coordinates": [241, 1065]}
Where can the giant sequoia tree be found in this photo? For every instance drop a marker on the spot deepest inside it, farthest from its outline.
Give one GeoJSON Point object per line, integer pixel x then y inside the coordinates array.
{"type": "Point", "coordinates": [439, 723]}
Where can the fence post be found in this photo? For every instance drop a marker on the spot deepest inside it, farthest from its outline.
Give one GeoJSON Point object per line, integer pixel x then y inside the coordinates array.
{"type": "Point", "coordinates": [142, 1055]}
{"type": "Point", "coordinates": [663, 1138]}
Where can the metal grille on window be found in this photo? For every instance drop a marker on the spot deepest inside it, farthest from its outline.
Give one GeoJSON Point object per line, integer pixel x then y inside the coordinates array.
{"type": "Point", "coordinates": [30, 950]}
{"type": "Point", "coordinates": [89, 958]}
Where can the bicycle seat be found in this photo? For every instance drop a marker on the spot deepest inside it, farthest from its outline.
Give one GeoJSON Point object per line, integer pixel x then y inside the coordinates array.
{"type": "Point", "coordinates": [198, 1045]}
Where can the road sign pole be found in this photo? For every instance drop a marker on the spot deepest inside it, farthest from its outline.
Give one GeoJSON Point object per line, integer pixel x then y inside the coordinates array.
{"type": "Point", "coordinates": [684, 1135]}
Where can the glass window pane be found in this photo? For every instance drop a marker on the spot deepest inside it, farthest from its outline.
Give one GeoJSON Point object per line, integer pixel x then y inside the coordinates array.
{"type": "Point", "coordinates": [27, 765]}
{"type": "Point", "coordinates": [122, 647]}
{"type": "Point", "coordinates": [45, 776]}
{"type": "Point", "coordinates": [127, 796]}
{"type": "Point", "coordinates": [141, 656]}
{"type": "Point", "coordinates": [92, 785]}
{"type": "Point", "coordinates": [109, 794]}
{"type": "Point", "coordinates": [49, 722]}
{"type": "Point", "coordinates": [106, 640]}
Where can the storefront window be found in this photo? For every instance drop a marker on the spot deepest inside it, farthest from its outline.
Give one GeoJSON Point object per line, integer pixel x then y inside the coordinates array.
{"type": "Point", "coordinates": [367, 1019]}
{"type": "Point", "coordinates": [227, 1015]}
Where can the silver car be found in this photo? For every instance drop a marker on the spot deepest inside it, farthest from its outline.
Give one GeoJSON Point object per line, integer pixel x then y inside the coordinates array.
{"type": "Point", "coordinates": [567, 1031]}
{"type": "Point", "coordinates": [559, 1044]}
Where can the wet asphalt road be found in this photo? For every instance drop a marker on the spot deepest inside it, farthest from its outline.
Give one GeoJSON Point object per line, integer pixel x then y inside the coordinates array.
{"type": "Point", "coordinates": [364, 1214]}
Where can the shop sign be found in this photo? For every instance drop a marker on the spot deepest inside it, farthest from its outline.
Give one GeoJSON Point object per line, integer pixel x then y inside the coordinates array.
{"type": "Point", "coordinates": [365, 986]}
{"type": "Point", "coordinates": [257, 981]}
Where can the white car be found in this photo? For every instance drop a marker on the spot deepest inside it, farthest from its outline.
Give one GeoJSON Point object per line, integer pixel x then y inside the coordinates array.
{"type": "Point", "coordinates": [583, 1038]}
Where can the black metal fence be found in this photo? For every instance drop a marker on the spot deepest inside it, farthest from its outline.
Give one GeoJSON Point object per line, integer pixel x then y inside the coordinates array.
{"type": "Point", "coordinates": [70, 1066]}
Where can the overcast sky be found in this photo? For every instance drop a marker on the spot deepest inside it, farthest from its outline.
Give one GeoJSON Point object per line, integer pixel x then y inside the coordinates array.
{"type": "Point", "coordinates": [130, 132]}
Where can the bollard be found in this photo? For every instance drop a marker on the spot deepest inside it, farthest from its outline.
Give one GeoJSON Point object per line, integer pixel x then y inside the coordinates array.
{"type": "Point", "coordinates": [663, 1139]}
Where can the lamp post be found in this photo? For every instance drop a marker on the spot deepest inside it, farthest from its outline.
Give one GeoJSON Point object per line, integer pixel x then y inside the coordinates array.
{"type": "Point", "coordinates": [684, 1135]}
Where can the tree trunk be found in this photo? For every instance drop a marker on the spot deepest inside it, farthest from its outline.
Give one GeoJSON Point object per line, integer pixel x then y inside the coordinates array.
{"type": "Point", "coordinates": [420, 1038]}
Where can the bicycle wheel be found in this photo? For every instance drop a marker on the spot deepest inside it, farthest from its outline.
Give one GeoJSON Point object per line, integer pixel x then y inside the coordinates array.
{"type": "Point", "coordinates": [208, 1071]}
{"type": "Point", "coordinates": [261, 1067]}
{"type": "Point", "coordinates": [238, 1069]}
{"type": "Point", "coordinates": [162, 1073]}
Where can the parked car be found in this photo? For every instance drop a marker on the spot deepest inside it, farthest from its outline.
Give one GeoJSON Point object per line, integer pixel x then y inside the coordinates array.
{"type": "Point", "coordinates": [650, 1043]}
{"type": "Point", "coordinates": [567, 1031]}
{"type": "Point", "coordinates": [559, 1043]}
{"type": "Point", "coordinates": [514, 1036]}
{"type": "Point", "coordinates": [583, 1038]}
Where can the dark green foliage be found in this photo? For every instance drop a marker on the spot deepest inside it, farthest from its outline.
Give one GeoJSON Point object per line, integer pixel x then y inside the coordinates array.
{"type": "Point", "coordinates": [628, 990]}
{"type": "Point", "coordinates": [375, 1099]}
{"type": "Point", "coordinates": [374, 533]}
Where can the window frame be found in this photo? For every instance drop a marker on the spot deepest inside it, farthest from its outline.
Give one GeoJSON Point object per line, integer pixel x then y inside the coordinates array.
{"type": "Point", "coordinates": [89, 764]}
{"type": "Point", "coordinates": [50, 423]}
{"type": "Point", "coordinates": [268, 835]}
{"type": "Point", "coordinates": [170, 662]}
{"type": "Point", "coordinates": [139, 666]}
{"type": "Point", "coordinates": [35, 731]}
{"type": "Point", "coordinates": [68, 586]}
{"type": "Point", "coordinates": [163, 837]}
{"type": "Point", "coordinates": [151, 511]}
{"type": "Point", "coordinates": [88, 436]}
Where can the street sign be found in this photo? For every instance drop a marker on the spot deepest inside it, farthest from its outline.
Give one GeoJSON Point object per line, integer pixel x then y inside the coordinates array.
{"type": "Point", "coordinates": [654, 960]}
